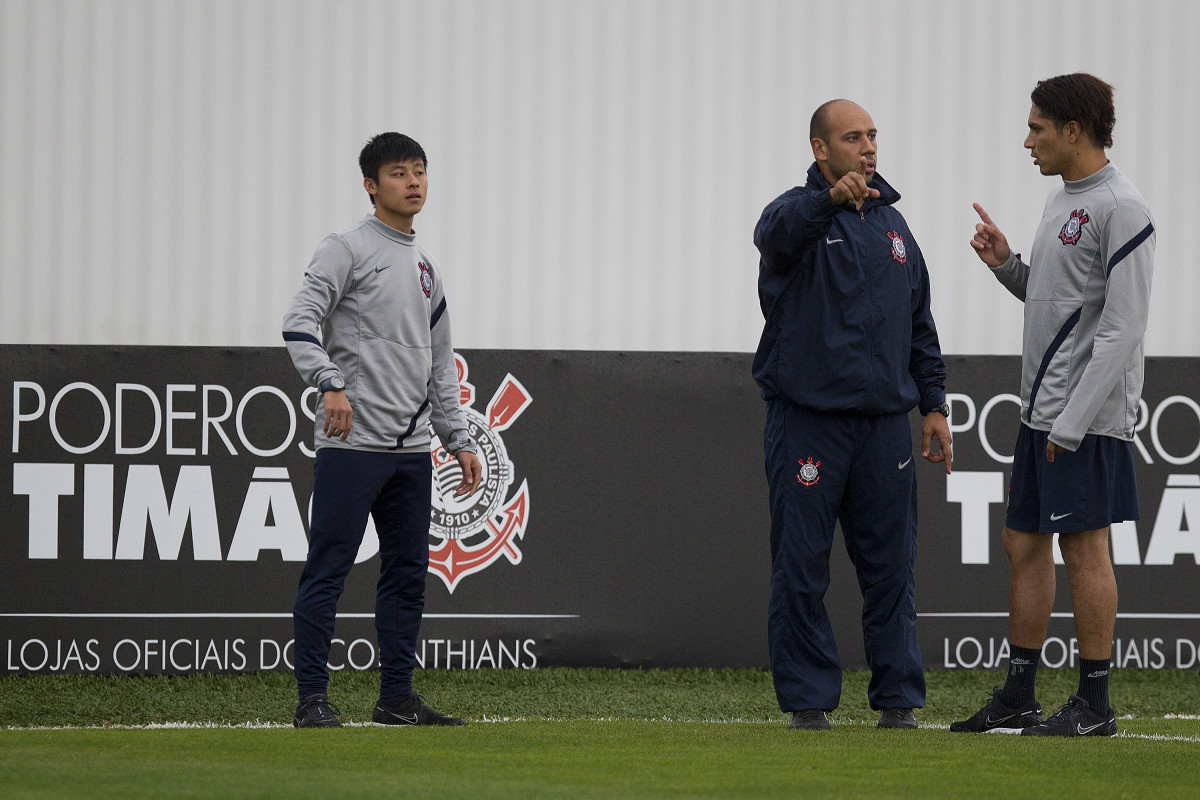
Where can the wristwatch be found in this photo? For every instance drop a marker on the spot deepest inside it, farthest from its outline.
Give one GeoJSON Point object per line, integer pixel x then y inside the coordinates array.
{"type": "Point", "coordinates": [336, 384]}
{"type": "Point", "coordinates": [943, 409]}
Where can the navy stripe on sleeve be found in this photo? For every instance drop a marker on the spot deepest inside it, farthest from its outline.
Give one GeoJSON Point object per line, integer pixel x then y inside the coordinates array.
{"type": "Point", "coordinates": [1129, 247]}
{"type": "Point", "coordinates": [293, 336]}
{"type": "Point", "coordinates": [437, 313]}
{"type": "Point", "coordinates": [1067, 327]}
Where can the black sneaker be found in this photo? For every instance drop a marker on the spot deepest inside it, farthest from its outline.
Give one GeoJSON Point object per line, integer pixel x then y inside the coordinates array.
{"type": "Point", "coordinates": [315, 711]}
{"type": "Point", "coordinates": [904, 718]}
{"type": "Point", "coordinates": [1076, 718]}
{"type": "Point", "coordinates": [811, 719]}
{"type": "Point", "coordinates": [995, 717]}
{"type": "Point", "coordinates": [412, 711]}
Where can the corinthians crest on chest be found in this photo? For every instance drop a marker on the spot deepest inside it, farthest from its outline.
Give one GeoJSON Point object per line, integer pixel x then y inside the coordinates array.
{"type": "Point", "coordinates": [1072, 229]}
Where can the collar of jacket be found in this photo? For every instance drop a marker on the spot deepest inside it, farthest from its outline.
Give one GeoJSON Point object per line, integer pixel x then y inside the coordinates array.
{"type": "Point", "coordinates": [887, 195]}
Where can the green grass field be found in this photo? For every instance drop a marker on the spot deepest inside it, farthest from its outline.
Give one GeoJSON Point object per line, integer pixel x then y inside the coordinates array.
{"type": "Point", "coordinates": [586, 733]}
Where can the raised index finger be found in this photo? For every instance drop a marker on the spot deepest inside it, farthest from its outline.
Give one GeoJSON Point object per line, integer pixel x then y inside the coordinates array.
{"type": "Point", "coordinates": [983, 215]}
{"type": "Point", "coordinates": [862, 165]}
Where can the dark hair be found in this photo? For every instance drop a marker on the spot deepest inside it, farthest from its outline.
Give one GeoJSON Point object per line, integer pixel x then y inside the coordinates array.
{"type": "Point", "coordinates": [388, 148]}
{"type": "Point", "coordinates": [818, 126]}
{"type": "Point", "coordinates": [1081, 98]}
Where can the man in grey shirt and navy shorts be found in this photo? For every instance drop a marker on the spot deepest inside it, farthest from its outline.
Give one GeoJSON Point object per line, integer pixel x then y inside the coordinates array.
{"type": "Point", "coordinates": [1086, 289]}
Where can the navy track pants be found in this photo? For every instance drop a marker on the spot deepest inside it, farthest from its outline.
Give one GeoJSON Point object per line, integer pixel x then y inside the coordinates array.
{"type": "Point", "coordinates": [395, 489]}
{"type": "Point", "coordinates": [823, 468]}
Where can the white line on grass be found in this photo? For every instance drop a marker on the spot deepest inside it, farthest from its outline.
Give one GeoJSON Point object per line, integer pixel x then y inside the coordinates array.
{"type": "Point", "coordinates": [260, 725]}
{"type": "Point", "coordinates": [1055, 614]}
{"type": "Point", "coordinates": [259, 615]}
{"type": "Point", "coordinates": [1158, 737]}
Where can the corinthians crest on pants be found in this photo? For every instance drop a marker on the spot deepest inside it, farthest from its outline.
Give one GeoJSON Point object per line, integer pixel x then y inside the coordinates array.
{"type": "Point", "coordinates": [472, 532]}
{"type": "Point", "coordinates": [809, 473]}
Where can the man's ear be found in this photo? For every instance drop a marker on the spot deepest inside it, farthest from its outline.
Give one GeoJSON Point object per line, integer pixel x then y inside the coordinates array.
{"type": "Point", "coordinates": [370, 186]}
{"type": "Point", "coordinates": [1072, 131]}
{"type": "Point", "coordinates": [820, 149]}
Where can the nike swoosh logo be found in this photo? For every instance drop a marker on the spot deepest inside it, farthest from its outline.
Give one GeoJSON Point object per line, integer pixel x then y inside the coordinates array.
{"type": "Point", "coordinates": [1082, 731]}
{"type": "Point", "coordinates": [989, 721]}
{"type": "Point", "coordinates": [903, 464]}
{"type": "Point", "coordinates": [381, 269]}
{"type": "Point", "coordinates": [1057, 517]}
{"type": "Point", "coordinates": [833, 241]}
{"type": "Point", "coordinates": [413, 720]}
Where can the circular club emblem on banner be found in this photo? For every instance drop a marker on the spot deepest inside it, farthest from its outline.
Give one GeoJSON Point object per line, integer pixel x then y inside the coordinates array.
{"type": "Point", "coordinates": [470, 533]}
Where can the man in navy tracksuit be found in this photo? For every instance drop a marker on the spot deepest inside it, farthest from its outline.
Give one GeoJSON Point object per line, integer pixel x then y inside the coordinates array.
{"type": "Point", "coordinates": [848, 349]}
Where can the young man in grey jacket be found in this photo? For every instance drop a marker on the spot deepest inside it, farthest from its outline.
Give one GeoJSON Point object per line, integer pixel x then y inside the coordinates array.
{"type": "Point", "coordinates": [369, 328]}
{"type": "Point", "coordinates": [1086, 289]}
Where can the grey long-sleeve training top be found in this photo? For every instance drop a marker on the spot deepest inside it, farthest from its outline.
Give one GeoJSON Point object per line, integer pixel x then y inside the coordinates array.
{"type": "Point", "coordinates": [375, 296]}
{"type": "Point", "coordinates": [1086, 290]}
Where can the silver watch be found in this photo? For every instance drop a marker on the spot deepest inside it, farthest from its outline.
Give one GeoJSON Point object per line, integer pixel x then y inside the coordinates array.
{"type": "Point", "coordinates": [336, 384]}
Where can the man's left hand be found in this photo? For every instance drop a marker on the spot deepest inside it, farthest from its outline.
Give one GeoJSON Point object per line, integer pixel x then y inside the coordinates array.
{"type": "Point", "coordinates": [1051, 449]}
{"type": "Point", "coordinates": [471, 473]}
{"type": "Point", "coordinates": [937, 427]}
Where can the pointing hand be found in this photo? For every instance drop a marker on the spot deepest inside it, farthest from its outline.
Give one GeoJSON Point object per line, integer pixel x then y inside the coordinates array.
{"type": "Point", "coordinates": [853, 188]}
{"type": "Point", "coordinates": [990, 244]}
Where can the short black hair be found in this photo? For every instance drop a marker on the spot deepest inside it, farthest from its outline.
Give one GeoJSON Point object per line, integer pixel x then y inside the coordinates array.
{"type": "Point", "coordinates": [1081, 98]}
{"type": "Point", "coordinates": [818, 126]}
{"type": "Point", "coordinates": [388, 148]}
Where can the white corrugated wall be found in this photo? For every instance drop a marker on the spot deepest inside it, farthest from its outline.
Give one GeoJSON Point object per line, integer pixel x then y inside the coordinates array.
{"type": "Point", "coordinates": [166, 168]}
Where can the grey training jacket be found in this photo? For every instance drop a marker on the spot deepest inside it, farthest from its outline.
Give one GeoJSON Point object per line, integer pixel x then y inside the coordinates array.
{"type": "Point", "coordinates": [375, 298]}
{"type": "Point", "coordinates": [1086, 290]}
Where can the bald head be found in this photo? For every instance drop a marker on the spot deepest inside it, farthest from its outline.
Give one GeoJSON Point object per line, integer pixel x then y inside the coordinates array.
{"type": "Point", "coordinates": [819, 125]}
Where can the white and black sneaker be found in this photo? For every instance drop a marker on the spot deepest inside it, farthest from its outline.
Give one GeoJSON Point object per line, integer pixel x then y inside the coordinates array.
{"type": "Point", "coordinates": [810, 719]}
{"type": "Point", "coordinates": [412, 711]}
{"type": "Point", "coordinates": [1076, 718]}
{"type": "Point", "coordinates": [995, 717]}
{"type": "Point", "coordinates": [315, 711]}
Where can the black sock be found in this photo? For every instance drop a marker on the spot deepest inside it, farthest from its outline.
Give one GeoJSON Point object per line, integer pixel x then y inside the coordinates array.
{"type": "Point", "coordinates": [1022, 671]}
{"type": "Point", "coordinates": [1093, 684]}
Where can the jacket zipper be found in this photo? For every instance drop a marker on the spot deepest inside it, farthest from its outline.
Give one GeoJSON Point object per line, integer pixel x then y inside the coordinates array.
{"type": "Point", "coordinates": [871, 316]}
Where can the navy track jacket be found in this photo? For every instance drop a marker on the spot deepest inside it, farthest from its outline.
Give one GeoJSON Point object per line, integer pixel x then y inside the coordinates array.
{"type": "Point", "coordinates": [846, 300]}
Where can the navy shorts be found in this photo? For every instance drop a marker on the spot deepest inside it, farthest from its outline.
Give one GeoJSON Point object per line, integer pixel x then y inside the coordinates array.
{"type": "Point", "coordinates": [1082, 491]}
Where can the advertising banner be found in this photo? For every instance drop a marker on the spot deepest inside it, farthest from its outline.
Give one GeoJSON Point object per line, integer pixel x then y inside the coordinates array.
{"type": "Point", "coordinates": [154, 505]}
{"type": "Point", "coordinates": [962, 572]}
